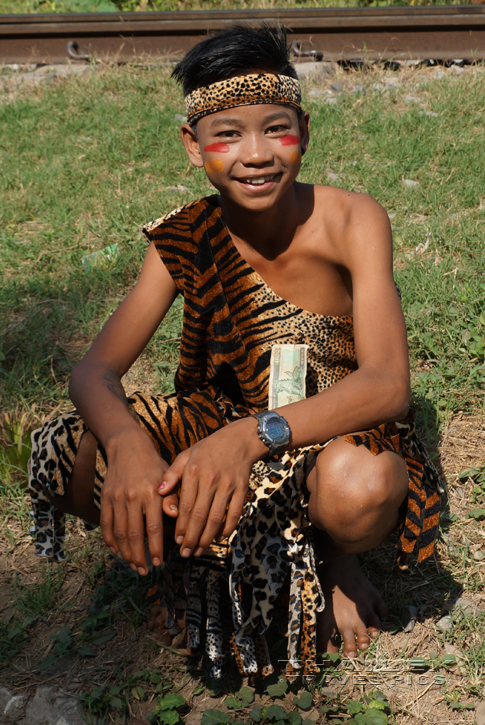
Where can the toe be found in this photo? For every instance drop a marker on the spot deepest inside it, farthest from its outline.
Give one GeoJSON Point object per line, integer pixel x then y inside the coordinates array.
{"type": "Point", "coordinates": [179, 641]}
{"type": "Point", "coordinates": [158, 618]}
{"type": "Point", "coordinates": [154, 613]}
{"type": "Point", "coordinates": [373, 632]}
{"type": "Point", "coordinates": [180, 618]}
{"type": "Point", "coordinates": [374, 627]}
{"type": "Point", "coordinates": [362, 637]}
{"type": "Point", "coordinates": [164, 637]}
{"type": "Point", "coordinates": [350, 648]}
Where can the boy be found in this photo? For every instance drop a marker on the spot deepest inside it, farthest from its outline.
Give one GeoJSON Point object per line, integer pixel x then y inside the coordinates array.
{"type": "Point", "coordinates": [261, 499]}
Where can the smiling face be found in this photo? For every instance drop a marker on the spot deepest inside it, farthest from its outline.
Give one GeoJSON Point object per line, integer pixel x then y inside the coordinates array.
{"type": "Point", "coordinates": [251, 154]}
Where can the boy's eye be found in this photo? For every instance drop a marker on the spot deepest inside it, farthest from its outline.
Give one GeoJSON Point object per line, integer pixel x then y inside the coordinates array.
{"type": "Point", "coordinates": [227, 134]}
{"type": "Point", "coordinates": [278, 129]}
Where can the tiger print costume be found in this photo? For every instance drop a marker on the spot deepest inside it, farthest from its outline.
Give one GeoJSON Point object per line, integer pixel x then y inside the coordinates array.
{"type": "Point", "coordinates": [231, 321]}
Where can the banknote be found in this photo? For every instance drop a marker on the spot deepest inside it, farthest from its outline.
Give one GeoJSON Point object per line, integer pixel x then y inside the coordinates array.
{"type": "Point", "coordinates": [287, 375]}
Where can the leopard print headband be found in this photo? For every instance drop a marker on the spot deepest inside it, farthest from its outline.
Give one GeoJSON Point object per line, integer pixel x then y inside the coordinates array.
{"type": "Point", "coordinates": [248, 90]}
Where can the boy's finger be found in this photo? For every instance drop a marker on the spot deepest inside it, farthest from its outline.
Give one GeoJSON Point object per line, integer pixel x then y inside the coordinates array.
{"type": "Point", "coordinates": [188, 496]}
{"type": "Point", "coordinates": [170, 505]}
{"type": "Point", "coordinates": [154, 529]}
{"type": "Point", "coordinates": [198, 519]}
{"type": "Point", "coordinates": [173, 474]}
{"type": "Point", "coordinates": [106, 523]}
{"type": "Point", "coordinates": [220, 535]}
{"type": "Point", "coordinates": [136, 539]}
{"type": "Point", "coordinates": [234, 511]}
{"type": "Point", "coordinates": [120, 520]}
{"type": "Point", "coordinates": [215, 520]}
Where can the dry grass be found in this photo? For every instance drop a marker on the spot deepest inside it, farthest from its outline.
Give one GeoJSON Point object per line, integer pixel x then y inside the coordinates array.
{"type": "Point", "coordinates": [416, 697]}
{"type": "Point", "coordinates": [92, 582]}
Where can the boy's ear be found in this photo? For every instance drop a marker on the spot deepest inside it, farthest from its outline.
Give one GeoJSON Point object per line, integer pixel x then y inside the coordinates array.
{"type": "Point", "coordinates": [189, 140]}
{"type": "Point", "coordinates": [304, 126]}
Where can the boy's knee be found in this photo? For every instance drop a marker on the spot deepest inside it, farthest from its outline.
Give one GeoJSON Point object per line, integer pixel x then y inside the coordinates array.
{"type": "Point", "coordinates": [353, 486]}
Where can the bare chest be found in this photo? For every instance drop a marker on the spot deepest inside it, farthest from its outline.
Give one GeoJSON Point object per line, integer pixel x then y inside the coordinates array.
{"type": "Point", "coordinates": [307, 275]}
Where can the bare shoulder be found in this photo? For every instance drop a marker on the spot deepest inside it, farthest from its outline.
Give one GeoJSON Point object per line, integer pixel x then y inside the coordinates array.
{"type": "Point", "coordinates": [353, 221]}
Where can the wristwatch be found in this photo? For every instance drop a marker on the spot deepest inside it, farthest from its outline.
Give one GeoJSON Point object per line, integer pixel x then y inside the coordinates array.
{"type": "Point", "coordinates": [273, 430]}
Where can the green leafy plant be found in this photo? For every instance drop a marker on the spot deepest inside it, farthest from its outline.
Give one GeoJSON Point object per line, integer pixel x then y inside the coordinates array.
{"type": "Point", "coordinates": [304, 702]}
{"type": "Point", "coordinates": [453, 700]}
{"type": "Point", "coordinates": [477, 514]}
{"type": "Point", "coordinates": [477, 475]}
{"type": "Point", "coordinates": [63, 643]}
{"type": "Point", "coordinates": [241, 699]}
{"type": "Point", "coordinates": [278, 689]}
{"type": "Point", "coordinates": [372, 710]}
{"type": "Point", "coordinates": [101, 701]}
{"type": "Point", "coordinates": [214, 717]}
{"type": "Point", "coordinates": [13, 634]}
{"type": "Point", "coordinates": [167, 710]}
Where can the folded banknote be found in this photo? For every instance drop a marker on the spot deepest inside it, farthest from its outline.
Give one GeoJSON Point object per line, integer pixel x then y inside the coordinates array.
{"type": "Point", "coordinates": [287, 375]}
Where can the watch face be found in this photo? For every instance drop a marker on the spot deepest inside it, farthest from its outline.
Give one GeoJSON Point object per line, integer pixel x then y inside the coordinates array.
{"type": "Point", "coordinates": [276, 429]}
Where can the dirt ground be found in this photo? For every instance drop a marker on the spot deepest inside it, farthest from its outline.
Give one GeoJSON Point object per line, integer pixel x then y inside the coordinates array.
{"type": "Point", "coordinates": [103, 605]}
{"type": "Point", "coordinates": [432, 588]}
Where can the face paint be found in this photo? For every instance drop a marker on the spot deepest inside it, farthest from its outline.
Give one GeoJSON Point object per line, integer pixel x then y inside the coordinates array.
{"type": "Point", "coordinates": [289, 140]}
{"type": "Point", "coordinates": [220, 148]}
{"type": "Point", "coordinates": [295, 157]}
{"type": "Point", "coordinates": [213, 166]}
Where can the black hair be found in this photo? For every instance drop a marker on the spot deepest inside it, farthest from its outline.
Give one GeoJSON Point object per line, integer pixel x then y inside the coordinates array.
{"type": "Point", "coordinates": [231, 52]}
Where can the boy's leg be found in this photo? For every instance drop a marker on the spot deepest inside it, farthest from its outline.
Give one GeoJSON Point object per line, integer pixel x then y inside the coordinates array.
{"type": "Point", "coordinates": [78, 498]}
{"type": "Point", "coordinates": [354, 506]}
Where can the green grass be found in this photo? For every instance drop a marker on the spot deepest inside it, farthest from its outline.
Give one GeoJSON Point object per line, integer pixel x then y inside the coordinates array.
{"type": "Point", "coordinates": [83, 6]}
{"type": "Point", "coordinates": [385, 142]}
{"type": "Point", "coordinates": [85, 162]}
{"type": "Point", "coordinates": [84, 183]}
{"type": "Point", "coordinates": [41, 597]}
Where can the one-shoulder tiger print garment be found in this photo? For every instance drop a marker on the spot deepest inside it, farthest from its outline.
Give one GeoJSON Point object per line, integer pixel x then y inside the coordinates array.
{"type": "Point", "coordinates": [231, 321]}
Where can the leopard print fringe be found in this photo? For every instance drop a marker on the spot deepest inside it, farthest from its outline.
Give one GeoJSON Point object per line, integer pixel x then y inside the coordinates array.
{"type": "Point", "coordinates": [272, 544]}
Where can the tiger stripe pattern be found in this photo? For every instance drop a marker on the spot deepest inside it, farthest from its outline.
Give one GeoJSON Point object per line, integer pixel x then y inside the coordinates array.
{"type": "Point", "coordinates": [231, 320]}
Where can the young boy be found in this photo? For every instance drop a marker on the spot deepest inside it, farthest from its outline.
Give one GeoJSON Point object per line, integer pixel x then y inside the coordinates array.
{"type": "Point", "coordinates": [258, 501]}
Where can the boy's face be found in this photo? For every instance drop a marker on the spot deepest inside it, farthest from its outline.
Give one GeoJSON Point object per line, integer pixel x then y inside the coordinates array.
{"type": "Point", "coordinates": [251, 154]}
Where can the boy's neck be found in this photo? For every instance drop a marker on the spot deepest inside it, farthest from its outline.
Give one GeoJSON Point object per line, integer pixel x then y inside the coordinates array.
{"type": "Point", "coordinates": [268, 232]}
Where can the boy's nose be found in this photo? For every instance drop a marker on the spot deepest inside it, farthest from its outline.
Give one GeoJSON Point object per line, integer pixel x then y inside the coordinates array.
{"type": "Point", "coordinates": [256, 152]}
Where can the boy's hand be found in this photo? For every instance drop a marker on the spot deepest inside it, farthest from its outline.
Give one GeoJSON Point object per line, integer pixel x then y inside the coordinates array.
{"type": "Point", "coordinates": [129, 493]}
{"type": "Point", "coordinates": [215, 477]}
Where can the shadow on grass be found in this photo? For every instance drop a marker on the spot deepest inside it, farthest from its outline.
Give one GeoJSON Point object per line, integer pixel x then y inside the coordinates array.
{"type": "Point", "coordinates": [430, 586]}
{"type": "Point", "coordinates": [47, 325]}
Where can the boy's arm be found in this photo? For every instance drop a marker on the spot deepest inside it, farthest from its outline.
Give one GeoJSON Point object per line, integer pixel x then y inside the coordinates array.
{"type": "Point", "coordinates": [215, 472]}
{"type": "Point", "coordinates": [379, 390]}
{"type": "Point", "coordinates": [134, 467]}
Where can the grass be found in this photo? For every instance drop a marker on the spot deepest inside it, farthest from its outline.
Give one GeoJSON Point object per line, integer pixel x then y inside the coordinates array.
{"type": "Point", "coordinates": [101, 180]}
{"type": "Point", "coordinates": [77, 6]}
{"type": "Point", "coordinates": [85, 162]}
{"type": "Point", "coordinates": [39, 598]}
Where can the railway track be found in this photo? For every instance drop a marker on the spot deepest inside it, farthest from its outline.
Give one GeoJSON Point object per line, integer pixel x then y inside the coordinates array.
{"type": "Point", "coordinates": [353, 34]}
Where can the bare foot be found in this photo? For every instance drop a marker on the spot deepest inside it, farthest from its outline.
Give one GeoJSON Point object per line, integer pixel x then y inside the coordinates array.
{"type": "Point", "coordinates": [353, 607]}
{"type": "Point", "coordinates": [158, 625]}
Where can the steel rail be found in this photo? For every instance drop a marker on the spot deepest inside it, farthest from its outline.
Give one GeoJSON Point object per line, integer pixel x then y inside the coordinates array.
{"type": "Point", "coordinates": [354, 34]}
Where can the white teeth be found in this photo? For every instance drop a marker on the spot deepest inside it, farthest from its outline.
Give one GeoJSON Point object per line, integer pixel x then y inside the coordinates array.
{"type": "Point", "coordinates": [258, 181]}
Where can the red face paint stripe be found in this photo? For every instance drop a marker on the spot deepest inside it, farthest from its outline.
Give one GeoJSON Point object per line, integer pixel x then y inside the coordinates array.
{"type": "Point", "coordinates": [220, 148]}
{"type": "Point", "coordinates": [289, 140]}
